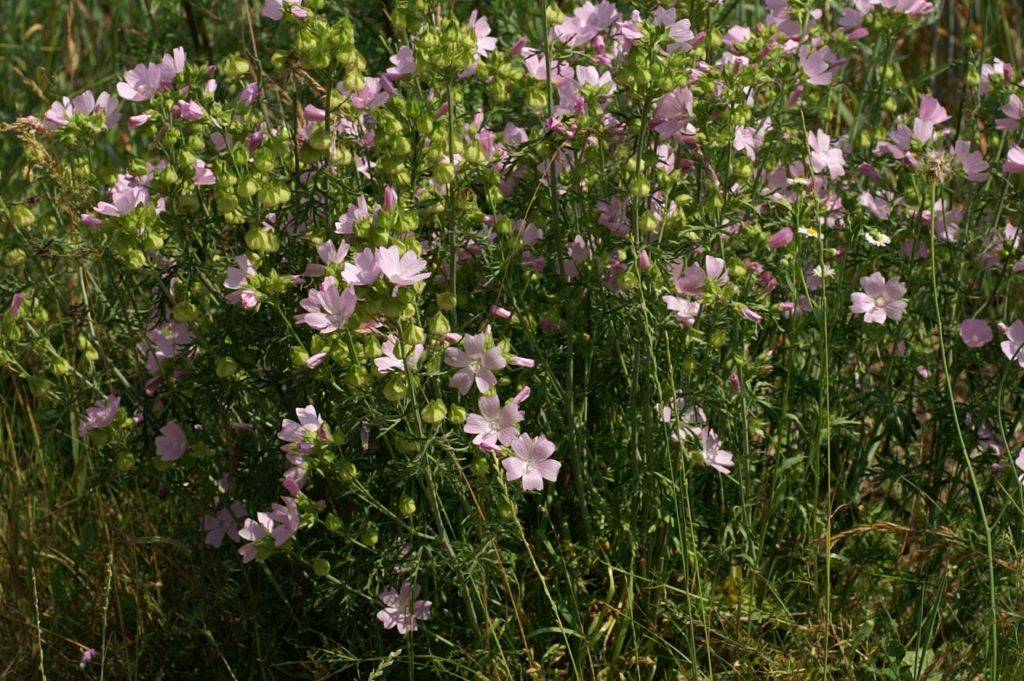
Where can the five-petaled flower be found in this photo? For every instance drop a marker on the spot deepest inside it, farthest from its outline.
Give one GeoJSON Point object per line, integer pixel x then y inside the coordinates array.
{"type": "Point", "coordinates": [532, 462]}
{"type": "Point", "coordinates": [881, 299]}
{"type": "Point", "coordinates": [402, 609]}
{"type": "Point", "coordinates": [475, 364]}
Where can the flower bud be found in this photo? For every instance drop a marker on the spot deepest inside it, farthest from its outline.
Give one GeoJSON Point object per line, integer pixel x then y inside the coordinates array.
{"type": "Point", "coordinates": [262, 240]}
{"type": "Point", "coordinates": [22, 217]}
{"type": "Point", "coordinates": [457, 415]}
{"type": "Point", "coordinates": [226, 367]}
{"type": "Point", "coordinates": [321, 567]}
{"type": "Point", "coordinates": [434, 412]}
{"type": "Point", "coordinates": [407, 506]}
{"type": "Point", "coordinates": [447, 301]}
{"type": "Point", "coordinates": [14, 258]}
{"type": "Point", "coordinates": [184, 312]}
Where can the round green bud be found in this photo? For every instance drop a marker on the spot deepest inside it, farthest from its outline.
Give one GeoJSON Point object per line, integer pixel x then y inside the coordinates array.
{"type": "Point", "coordinates": [321, 567]}
{"type": "Point", "coordinates": [434, 412]}
{"type": "Point", "coordinates": [407, 506]}
{"type": "Point", "coordinates": [226, 367]}
{"type": "Point", "coordinates": [22, 217]}
{"type": "Point", "coordinates": [14, 258]}
{"type": "Point", "coordinates": [457, 415]}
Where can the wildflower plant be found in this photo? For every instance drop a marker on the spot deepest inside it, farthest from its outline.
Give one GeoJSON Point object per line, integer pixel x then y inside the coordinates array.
{"type": "Point", "coordinates": [616, 337]}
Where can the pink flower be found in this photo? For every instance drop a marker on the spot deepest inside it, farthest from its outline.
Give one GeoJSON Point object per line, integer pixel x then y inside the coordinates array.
{"type": "Point", "coordinates": [249, 94]}
{"type": "Point", "coordinates": [60, 112]}
{"type": "Point", "coordinates": [223, 524]}
{"type": "Point", "coordinates": [586, 22]}
{"type": "Point", "coordinates": [145, 80]}
{"type": "Point", "coordinates": [672, 114]}
{"type": "Point", "coordinates": [691, 281]}
{"type": "Point", "coordinates": [820, 65]}
{"type": "Point", "coordinates": [364, 269]}
{"type": "Point", "coordinates": [1012, 346]}
{"type": "Point", "coordinates": [141, 82]}
{"type": "Point", "coordinates": [1014, 110]}
{"type": "Point", "coordinates": [474, 364]}
{"type": "Point", "coordinates": [326, 308]}
{"type": "Point", "coordinates": [100, 415]}
{"type": "Point", "coordinates": [824, 156]}
{"type": "Point", "coordinates": [1019, 463]}
{"type": "Point", "coordinates": [402, 609]}
{"type": "Point", "coordinates": [189, 110]}
{"type": "Point", "coordinates": [203, 176]}
{"type": "Point", "coordinates": [171, 443]}
{"type": "Point", "coordinates": [330, 256]}
{"type": "Point", "coordinates": [494, 423]}
{"type": "Point", "coordinates": [237, 280]}
{"type": "Point", "coordinates": [357, 211]}
{"type": "Point", "coordinates": [881, 299]}
{"type": "Point", "coordinates": [532, 462]}
{"type": "Point", "coordinates": [485, 43]}
{"type": "Point", "coordinates": [390, 362]}
{"type": "Point", "coordinates": [686, 310]}
{"type": "Point", "coordinates": [737, 35]}
{"type": "Point", "coordinates": [253, 531]}
{"type": "Point", "coordinates": [403, 64]}
{"type": "Point", "coordinates": [781, 238]}
{"type": "Point", "coordinates": [712, 452]}
{"type": "Point", "coordinates": [749, 140]}
{"type": "Point", "coordinates": [1014, 163]}
{"type": "Point", "coordinates": [125, 196]}
{"type": "Point", "coordinates": [975, 333]}
{"type": "Point", "coordinates": [274, 9]}
{"type": "Point", "coordinates": [973, 163]}
{"type": "Point", "coordinates": [401, 269]}
{"type": "Point", "coordinates": [301, 435]}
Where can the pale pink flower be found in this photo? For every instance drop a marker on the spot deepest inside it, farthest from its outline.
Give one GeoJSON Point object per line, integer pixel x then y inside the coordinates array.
{"type": "Point", "coordinates": [391, 362]}
{"type": "Point", "coordinates": [975, 333]}
{"type": "Point", "coordinates": [532, 462]}
{"type": "Point", "coordinates": [303, 434]}
{"type": "Point", "coordinates": [100, 415]}
{"type": "Point", "coordinates": [253, 531]}
{"type": "Point", "coordinates": [401, 269]}
{"type": "Point", "coordinates": [237, 280]}
{"type": "Point", "coordinates": [402, 609]}
{"type": "Point", "coordinates": [1014, 163]}
{"type": "Point", "coordinates": [224, 524]}
{"type": "Point", "coordinates": [189, 110]}
{"type": "Point", "coordinates": [403, 63]}
{"type": "Point", "coordinates": [749, 140]}
{"type": "Point", "coordinates": [880, 300]}
{"type": "Point", "coordinates": [1013, 346]}
{"type": "Point", "coordinates": [203, 176]}
{"type": "Point", "coordinates": [672, 114]}
{"type": "Point", "coordinates": [712, 452]}
{"type": "Point", "coordinates": [974, 164]}
{"type": "Point", "coordinates": [820, 65]}
{"type": "Point", "coordinates": [485, 42]}
{"type": "Point", "coordinates": [475, 364]}
{"type": "Point", "coordinates": [1014, 110]}
{"type": "Point", "coordinates": [357, 211]}
{"type": "Point", "coordinates": [586, 22]}
{"type": "Point", "coordinates": [691, 280]}
{"type": "Point", "coordinates": [326, 308]}
{"type": "Point", "coordinates": [495, 423]}
{"type": "Point", "coordinates": [824, 155]}
{"type": "Point", "coordinates": [364, 269]}
{"type": "Point", "coordinates": [171, 442]}
{"type": "Point", "coordinates": [686, 310]}
{"type": "Point", "coordinates": [330, 256]}
{"type": "Point", "coordinates": [274, 9]}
